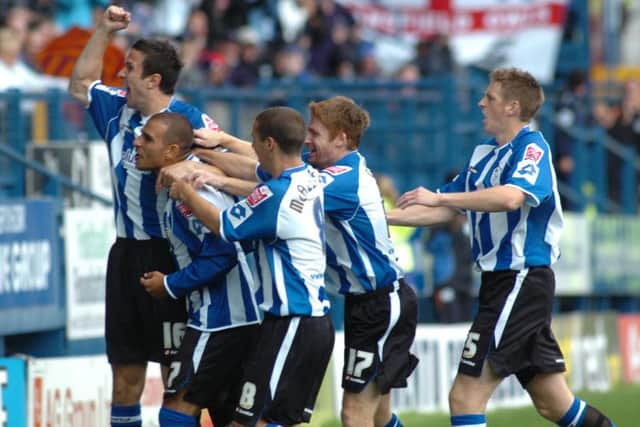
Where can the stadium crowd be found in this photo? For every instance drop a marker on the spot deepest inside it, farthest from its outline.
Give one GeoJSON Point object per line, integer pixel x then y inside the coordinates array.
{"type": "Point", "coordinates": [229, 43]}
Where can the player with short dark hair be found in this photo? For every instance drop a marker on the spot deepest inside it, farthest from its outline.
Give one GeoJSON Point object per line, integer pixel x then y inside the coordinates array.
{"type": "Point", "coordinates": [508, 189]}
{"type": "Point", "coordinates": [138, 329]}
{"type": "Point", "coordinates": [217, 282]}
{"type": "Point", "coordinates": [284, 214]}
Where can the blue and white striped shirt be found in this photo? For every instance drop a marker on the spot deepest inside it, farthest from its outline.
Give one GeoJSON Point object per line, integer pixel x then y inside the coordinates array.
{"type": "Point", "coordinates": [215, 275]}
{"type": "Point", "coordinates": [137, 208]}
{"type": "Point", "coordinates": [528, 236]}
{"type": "Point", "coordinates": [360, 254]}
{"type": "Point", "coordinates": [285, 216]}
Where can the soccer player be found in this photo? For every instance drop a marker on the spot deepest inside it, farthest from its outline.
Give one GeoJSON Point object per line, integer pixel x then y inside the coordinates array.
{"type": "Point", "coordinates": [380, 313]}
{"type": "Point", "coordinates": [217, 281]}
{"type": "Point", "coordinates": [508, 189]}
{"type": "Point", "coordinates": [285, 215]}
{"type": "Point", "coordinates": [380, 308]}
{"type": "Point", "coordinates": [134, 322]}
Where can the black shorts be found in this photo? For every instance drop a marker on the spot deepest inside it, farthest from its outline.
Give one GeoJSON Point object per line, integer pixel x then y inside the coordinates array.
{"type": "Point", "coordinates": [283, 374]}
{"type": "Point", "coordinates": [512, 329]}
{"type": "Point", "coordinates": [379, 329]}
{"type": "Point", "coordinates": [209, 368]}
{"type": "Point", "coordinates": [138, 327]}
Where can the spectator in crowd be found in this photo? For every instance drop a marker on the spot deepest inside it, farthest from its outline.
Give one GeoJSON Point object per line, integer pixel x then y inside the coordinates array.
{"type": "Point", "coordinates": [247, 71]}
{"type": "Point", "coordinates": [289, 65]}
{"type": "Point", "coordinates": [326, 31]}
{"type": "Point", "coordinates": [572, 111]}
{"type": "Point", "coordinates": [405, 239]}
{"type": "Point", "coordinates": [14, 73]}
{"type": "Point", "coordinates": [608, 113]}
{"type": "Point", "coordinates": [40, 31]}
{"type": "Point", "coordinates": [434, 57]}
{"type": "Point", "coordinates": [138, 329]}
{"type": "Point", "coordinates": [509, 191]}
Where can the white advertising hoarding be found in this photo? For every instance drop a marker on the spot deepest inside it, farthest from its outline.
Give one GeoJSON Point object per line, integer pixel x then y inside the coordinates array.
{"type": "Point", "coordinates": [76, 392]}
{"type": "Point", "coordinates": [89, 233]}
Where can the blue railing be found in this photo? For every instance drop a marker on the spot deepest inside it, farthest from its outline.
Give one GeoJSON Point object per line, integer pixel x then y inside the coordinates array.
{"type": "Point", "coordinates": [419, 132]}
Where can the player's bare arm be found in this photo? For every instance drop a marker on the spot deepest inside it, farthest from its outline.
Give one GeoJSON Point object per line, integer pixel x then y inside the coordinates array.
{"type": "Point", "coordinates": [232, 164]}
{"type": "Point", "coordinates": [495, 199]}
{"type": "Point", "coordinates": [228, 184]}
{"type": "Point", "coordinates": [88, 66]}
{"type": "Point", "coordinates": [420, 216]}
{"type": "Point", "coordinates": [182, 170]}
{"type": "Point", "coordinates": [208, 138]}
{"type": "Point", "coordinates": [208, 214]}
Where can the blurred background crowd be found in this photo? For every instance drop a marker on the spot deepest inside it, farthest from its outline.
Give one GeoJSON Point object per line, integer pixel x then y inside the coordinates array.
{"type": "Point", "coordinates": [236, 43]}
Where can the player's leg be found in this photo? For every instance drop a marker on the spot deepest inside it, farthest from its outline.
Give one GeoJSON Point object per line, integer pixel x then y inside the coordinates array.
{"type": "Point", "coordinates": [379, 331]}
{"type": "Point", "coordinates": [513, 307]}
{"type": "Point", "coordinates": [283, 375]}
{"type": "Point", "coordinates": [554, 401]}
{"type": "Point", "coordinates": [128, 362]}
{"type": "Point", "coordinates": [177, 412]}
{"type": "Point", "coordinates": [135, 332]}
{"type": "Point", "coordinates": [469, 395]}
{"type": "Point", "coordinates": [383, 416]}
{"type": "Point", "coordinates": [358, 409]}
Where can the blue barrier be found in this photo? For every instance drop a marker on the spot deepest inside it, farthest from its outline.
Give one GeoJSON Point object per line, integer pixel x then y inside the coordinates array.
{"type": "Point", "coordinates": [13, 392]}
{"type": "Point", "coordinates": [31, 291]}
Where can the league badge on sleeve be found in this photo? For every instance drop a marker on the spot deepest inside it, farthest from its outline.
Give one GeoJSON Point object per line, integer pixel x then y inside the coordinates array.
{"type": "Point", "coordinates": [259, 195]}
{"type": "Point", "coordinates": [209, 123]}
{"type": "Point", "coordinates": [533, 153]}
{"type": "Point", "coordinates": [337, 170]}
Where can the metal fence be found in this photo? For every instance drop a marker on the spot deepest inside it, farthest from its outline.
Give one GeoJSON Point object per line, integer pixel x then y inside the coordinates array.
{"type": "Point", "coordinates": [419, 132]}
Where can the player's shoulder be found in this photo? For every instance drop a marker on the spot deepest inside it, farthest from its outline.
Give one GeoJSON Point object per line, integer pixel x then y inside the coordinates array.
{"type": "Point", "coordinates": [197, 118]}
{"type": "Point", "coordinates": [532, 145]}
{"type": "Point", "coordinates": [99, 87]}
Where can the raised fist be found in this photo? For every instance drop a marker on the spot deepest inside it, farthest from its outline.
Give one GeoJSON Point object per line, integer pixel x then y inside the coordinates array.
{"type": "Point", "coordinates": [114, 19]}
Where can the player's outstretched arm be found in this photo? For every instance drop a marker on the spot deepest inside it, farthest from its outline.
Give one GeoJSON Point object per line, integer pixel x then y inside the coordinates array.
{"type": "Point", "coordinates": [182, 170]}
{"type": "Point", "coordinates": [207, 138]}
{"type": "Point", "coordinates": [228, 184]}
{"type": "Point", "coordinates": [88, 66]}
{"type": "Point", "coordinates": [420, 216]}
{"type": "Point", "coordinates": [232, 164]}
{"type": "Point", "coordinates": [208, 214]}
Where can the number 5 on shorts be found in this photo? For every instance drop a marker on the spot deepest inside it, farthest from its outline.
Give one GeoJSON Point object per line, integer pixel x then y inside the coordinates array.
{"type": "Point", "coordinates": [471, 345]}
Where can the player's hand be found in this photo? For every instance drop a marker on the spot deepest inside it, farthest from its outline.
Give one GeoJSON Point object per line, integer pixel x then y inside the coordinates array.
{"type": "Point", "coordinates": [201, 178]}
{"type": "Point", "coordinates": [153, 283]}
{"type": "Point", "coordinates": [208, 138]}
{"type": "Point", "coordinates": [179, 190]}
{"type": "Point", "coordinates": [419, 196]}
{"type": "Point", "coordinates": [114, 19]}
{"type": "Point", "coordinates": [176, 172]}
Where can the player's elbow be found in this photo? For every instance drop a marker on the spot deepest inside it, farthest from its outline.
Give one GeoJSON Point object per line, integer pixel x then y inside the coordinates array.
{"type": "Point", "coordinates": [78, 89]}
{"type": "Point", "coordinates": [514, 202]}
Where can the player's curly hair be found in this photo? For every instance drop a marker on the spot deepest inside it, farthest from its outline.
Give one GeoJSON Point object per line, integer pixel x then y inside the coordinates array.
{"type": "Point", "coordinates": [521, 86]}
{"type": "Point", "coordinates": [342, 114]}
